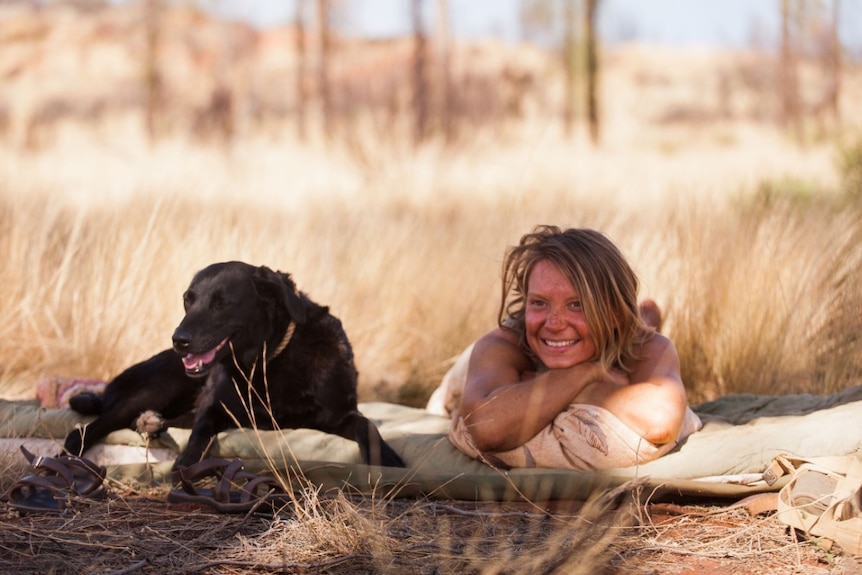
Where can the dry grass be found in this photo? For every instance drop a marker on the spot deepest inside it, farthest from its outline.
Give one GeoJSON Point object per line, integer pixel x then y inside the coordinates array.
{"type": "Point", "coordinates": [137, 532]}
{"type": "Point", "coordinates": [709, 540]}
{"type": "Point", "coordinates": [751, 243]}
{"type": "Point", "coordinates": [758, 286]}
{"type": "Point", "coordinates": [748, 240]}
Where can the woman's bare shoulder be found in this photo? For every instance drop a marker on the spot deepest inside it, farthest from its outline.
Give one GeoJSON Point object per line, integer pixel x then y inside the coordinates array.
{"type": "Point", "coordinates": [499, 349]}
{"type": "Point", "coordinates": [499, 336]}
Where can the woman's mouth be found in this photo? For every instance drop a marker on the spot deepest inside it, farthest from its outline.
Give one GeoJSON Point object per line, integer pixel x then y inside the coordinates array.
{"type": "Point", "coordinates": [565, 343]}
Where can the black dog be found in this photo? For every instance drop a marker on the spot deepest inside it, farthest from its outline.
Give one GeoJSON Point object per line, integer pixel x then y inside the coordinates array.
{"type": "Point", "coordinates": [251, 350]}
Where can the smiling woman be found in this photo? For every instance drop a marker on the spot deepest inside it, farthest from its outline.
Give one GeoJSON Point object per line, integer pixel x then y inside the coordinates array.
{"type": "Point", "coordinates": [555, 326]}
{"type": "Point", "coordinates": [572, 376]}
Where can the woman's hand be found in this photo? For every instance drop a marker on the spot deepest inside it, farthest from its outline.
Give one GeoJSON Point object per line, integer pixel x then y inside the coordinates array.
{"type": "Point", "coordinates": [505, 403]}
{"type": "Point", "coordinates": [606, 383]}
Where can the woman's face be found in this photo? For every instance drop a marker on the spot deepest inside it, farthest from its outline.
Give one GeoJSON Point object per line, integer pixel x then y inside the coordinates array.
{"type": "Point", "coordinates": [556, 328]}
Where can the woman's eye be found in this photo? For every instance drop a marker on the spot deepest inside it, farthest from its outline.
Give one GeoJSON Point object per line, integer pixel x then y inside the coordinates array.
{"type": "Point", "coordinates": [575, 305]}
{"type": "Point", "coordinates": [536, 303]}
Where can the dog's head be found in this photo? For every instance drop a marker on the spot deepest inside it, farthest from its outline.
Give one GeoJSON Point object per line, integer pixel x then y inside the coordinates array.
{"type": "Point", "coordinates": [235, 306]}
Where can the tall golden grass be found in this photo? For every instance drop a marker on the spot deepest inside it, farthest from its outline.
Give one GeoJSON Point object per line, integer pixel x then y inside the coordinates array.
{"type": "Point", "coordinates": [758, 280]}
{"type": "Point", "coordinates": [750, 243]}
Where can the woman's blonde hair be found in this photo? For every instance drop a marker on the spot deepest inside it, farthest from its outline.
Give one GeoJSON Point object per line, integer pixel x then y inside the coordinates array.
{"type": "Point", "coordinates": [606, 284]}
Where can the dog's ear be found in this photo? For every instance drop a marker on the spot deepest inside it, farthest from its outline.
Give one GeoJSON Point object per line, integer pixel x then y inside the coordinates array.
{"type": "Point", "coordinates": [279, 287]}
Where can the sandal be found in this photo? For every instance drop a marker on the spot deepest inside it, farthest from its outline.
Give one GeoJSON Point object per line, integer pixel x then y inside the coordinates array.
{"type": "Point", "coordinates": [56, 481]}
{"type": "Point", "coordinates": [826, 503]}
{"type": "Point", "coordinates": [235, 490]}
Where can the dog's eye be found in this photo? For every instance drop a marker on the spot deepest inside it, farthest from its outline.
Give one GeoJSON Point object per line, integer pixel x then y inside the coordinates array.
{"type": "Point", "coordinates": [188, 300]}
{"type": "Point", "coordinates": [218, 301]}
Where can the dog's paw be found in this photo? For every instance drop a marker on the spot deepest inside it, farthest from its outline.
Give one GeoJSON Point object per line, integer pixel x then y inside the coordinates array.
{"type": "Point", "coordinates": [150, 424]}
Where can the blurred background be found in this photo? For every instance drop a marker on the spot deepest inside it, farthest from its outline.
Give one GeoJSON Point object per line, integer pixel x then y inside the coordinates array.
{"type": "Point", "coordinates": [222, 69]}
{"type": "Point", "coordinates": [385, 152]}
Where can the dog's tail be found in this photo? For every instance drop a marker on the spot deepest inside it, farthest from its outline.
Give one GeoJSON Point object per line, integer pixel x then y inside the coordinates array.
{"type": "Point", "coordinates": [86, 403]}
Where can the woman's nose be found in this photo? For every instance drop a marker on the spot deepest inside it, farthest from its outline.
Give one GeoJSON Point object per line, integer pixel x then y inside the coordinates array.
{"type": "Point", "coordinates": [555, 320]}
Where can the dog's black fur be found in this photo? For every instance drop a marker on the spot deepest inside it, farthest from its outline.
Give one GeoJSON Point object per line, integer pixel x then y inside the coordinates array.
{"type": "Point", "coordinates": [227, 363]}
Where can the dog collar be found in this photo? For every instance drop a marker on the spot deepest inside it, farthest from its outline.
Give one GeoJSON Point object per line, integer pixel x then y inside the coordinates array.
{"type": "Point", "coordinates": [288, 334]}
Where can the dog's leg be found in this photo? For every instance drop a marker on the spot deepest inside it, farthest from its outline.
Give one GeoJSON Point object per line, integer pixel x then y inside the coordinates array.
{"type": "Point", "coordinates": [158, 384]}
{"type": "Point", "coordinates": [80, 440]}
{"type": "Point", "coordinates": [372, 448]}
{"type": "Point", "coordinates": [207, 419]}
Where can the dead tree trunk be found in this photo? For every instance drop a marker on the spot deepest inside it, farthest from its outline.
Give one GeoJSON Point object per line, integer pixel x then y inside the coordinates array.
{"type": "Point", "coordinates": [153, 81]}
{"type": "Point", "coordinates": [299, 28]}
{"type": "Point", "coordinates": [444, 76]}
{"type": "Point", "coordinates": [591, 7]}
{"type": "Point", "coordinates": [789, 83]}
{"type": "Point", "coordinates": [323, 66]}
{"type": "Point", "coordinates": [569, 65]}
{"type": "Point", "coordinates": [420, 91]}
{"type": "Point", "coordinates": [836, 64]}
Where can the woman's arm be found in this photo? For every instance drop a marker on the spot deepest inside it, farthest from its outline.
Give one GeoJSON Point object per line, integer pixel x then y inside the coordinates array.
{"type": "Point", "coordinates": [503, 410]}
{"type": "Point", "coordinates": [653, 404]}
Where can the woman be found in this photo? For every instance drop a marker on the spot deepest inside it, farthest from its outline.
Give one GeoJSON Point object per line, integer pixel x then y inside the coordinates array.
{"type": "Point", "coordinates": [572, 376]}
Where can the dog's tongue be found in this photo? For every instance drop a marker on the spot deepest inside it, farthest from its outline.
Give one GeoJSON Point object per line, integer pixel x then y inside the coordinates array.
{"type": "Point", "coordinates": [192, 361]}
{"type": "Point", "coordinates": [195, 362]}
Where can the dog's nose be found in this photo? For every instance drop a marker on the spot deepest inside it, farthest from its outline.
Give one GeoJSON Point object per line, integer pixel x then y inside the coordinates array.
{"type": "Point", "coordinates": [182, 341]}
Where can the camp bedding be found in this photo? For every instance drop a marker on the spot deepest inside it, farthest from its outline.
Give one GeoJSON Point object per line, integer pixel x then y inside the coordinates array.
{"type": "Point", "coordinates": [741, 435]}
